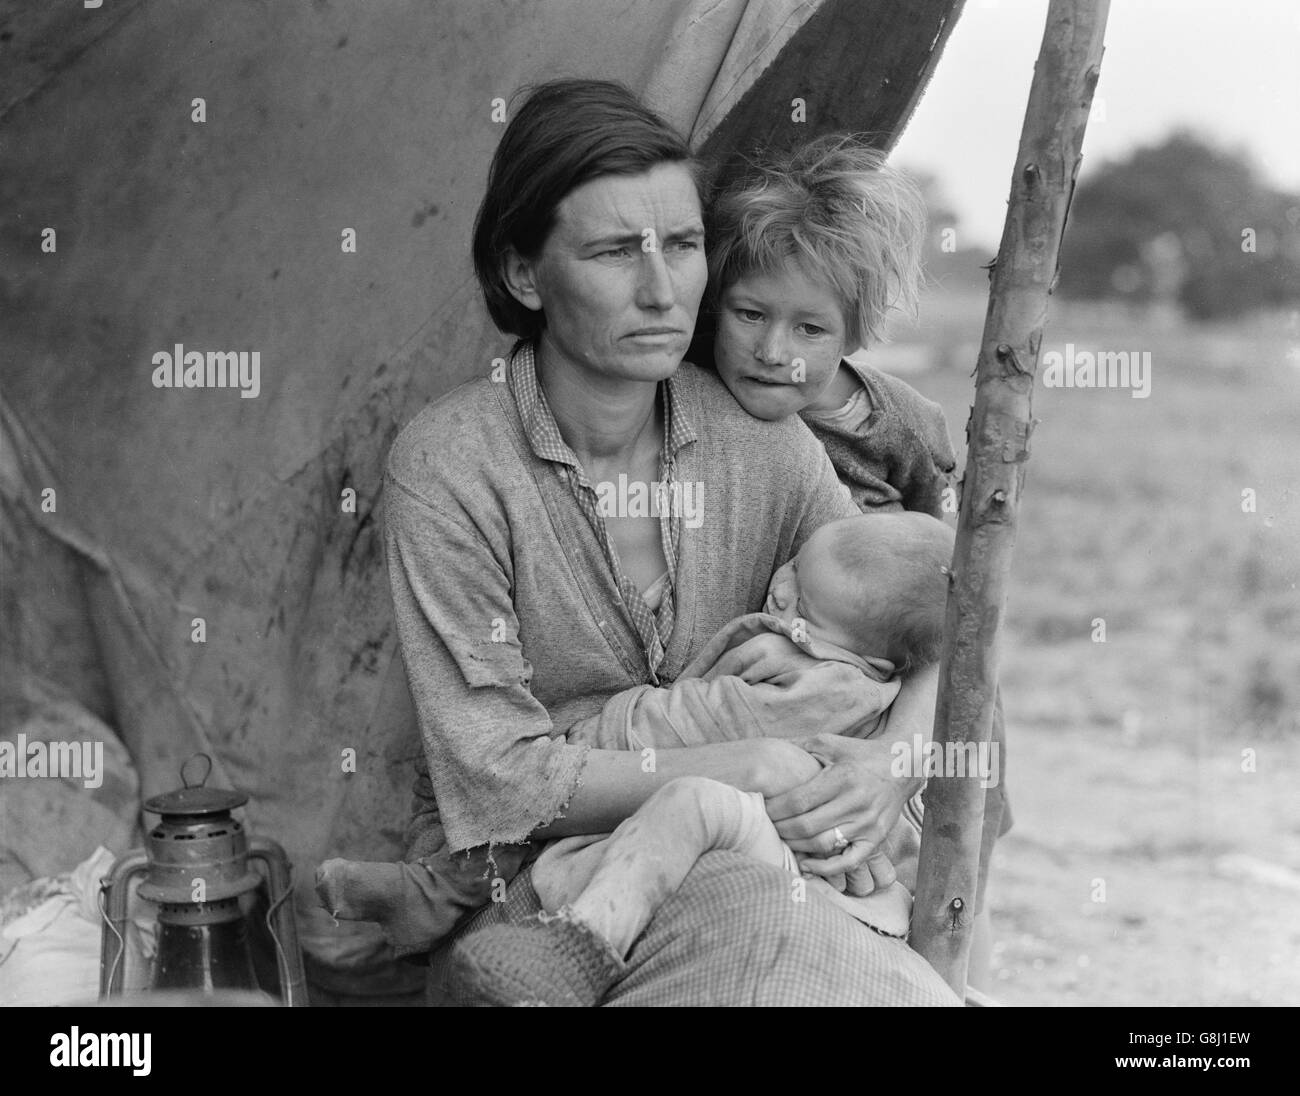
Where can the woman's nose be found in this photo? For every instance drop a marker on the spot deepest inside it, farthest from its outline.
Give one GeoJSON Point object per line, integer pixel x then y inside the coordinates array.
{"type": "Point", "coordinates": [655, 289]}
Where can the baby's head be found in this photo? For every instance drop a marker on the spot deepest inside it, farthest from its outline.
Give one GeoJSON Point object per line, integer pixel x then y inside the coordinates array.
{"type": "Point", "coordinates": [876, 585]}
{"type": "Point", "coordinates": [806, 258]}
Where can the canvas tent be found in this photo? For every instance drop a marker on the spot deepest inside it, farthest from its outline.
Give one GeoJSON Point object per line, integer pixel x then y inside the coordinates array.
{"type": "Point", "coordinates": [139, 520]}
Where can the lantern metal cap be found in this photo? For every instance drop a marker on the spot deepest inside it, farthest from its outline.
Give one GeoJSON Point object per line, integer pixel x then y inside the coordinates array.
{"type": "Point", "coordinates": [196, 801]}
{"type": "Point", "coordinates": [194, 798]}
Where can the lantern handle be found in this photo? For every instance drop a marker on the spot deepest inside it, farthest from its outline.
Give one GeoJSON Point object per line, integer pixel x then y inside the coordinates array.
{"type": "Point", "coordinates": [114, 895]}
{"type": "Point", "coordinates": [207, 773]}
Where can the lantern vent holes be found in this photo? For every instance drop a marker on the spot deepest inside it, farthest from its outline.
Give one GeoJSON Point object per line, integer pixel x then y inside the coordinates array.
{"type": "Point", "coordinates": [204, 830]}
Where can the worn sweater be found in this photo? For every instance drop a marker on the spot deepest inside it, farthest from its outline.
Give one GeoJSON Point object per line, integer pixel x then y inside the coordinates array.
{"type": "Point", "coordinates": [889, 444]}
{"type": "Point", "coordinates": [512, 627]}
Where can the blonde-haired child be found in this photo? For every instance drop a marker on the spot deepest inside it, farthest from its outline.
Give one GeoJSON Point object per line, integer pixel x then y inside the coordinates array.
{"type": "Point", "coordinates": [808, 255]}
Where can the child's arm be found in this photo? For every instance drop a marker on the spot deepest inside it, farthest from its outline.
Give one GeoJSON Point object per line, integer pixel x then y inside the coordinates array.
{"type": "Point", "coordinates": [924, 460]}
{"type": "Point", "coordinates": [899, 454]}
{"type": "Point", "coordinates": [920, 480]}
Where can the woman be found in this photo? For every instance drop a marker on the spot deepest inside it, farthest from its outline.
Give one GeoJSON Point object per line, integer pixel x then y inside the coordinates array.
{"type": "Point", "coordinates": [531, 596]}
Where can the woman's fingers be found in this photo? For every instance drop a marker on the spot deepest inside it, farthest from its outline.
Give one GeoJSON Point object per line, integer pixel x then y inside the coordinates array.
{"type": "Point", "coordinates": [836, 842]}
{"type": "Point", "coordinates": [843, 862]}
{"type": "Point", "coordinates": [798, 801]}
{"type": "Point", "coordinates": [875, 874]}
{"type": "Point", "coordinates": [863, 827]}
{"type": "Point", "coordinates": [807, 832]}
{"type": "Point", "coordinates": [829, 748]}
{"type": "Point", "coordinates": [827, 842]}
{"type": "Point", "coordinates": [828, 800]}
{"type": "Point", "coordinates": [857, 771]}
{"type": "Point", "coordinates": [857, 783]}
{"type": "Point", "coordinates": [865, 870]}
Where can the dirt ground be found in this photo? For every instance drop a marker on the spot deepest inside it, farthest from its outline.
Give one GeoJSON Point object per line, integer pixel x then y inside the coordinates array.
{"type": "Point", "coordinates": [1145, 873]}
{"type": "Point", "coordinates": [1155, 858]}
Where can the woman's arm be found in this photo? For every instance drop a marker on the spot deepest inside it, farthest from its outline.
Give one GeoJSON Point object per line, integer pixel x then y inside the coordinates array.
{"type": "Point", "coordinates": [496, 770]}
{"type": "Point", "coordinates": [615, 784]}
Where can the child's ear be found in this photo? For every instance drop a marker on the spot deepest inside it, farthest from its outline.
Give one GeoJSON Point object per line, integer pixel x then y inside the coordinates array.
{"type": "Point", "coordinates": [520, 276]}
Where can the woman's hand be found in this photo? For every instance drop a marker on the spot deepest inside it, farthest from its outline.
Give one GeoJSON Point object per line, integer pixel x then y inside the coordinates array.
{"type": "Point", "coordinates": [858, 794]}
{"type": "Point", "coordinates": [876, 872]}
{"type": "Point", "coordinates": [780, 767]}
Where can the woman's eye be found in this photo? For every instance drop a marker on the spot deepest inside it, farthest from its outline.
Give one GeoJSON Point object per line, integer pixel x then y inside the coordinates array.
{"type": "Point", "coordinates": [749, 315]}
{"type": "Point", "coordinates": [812, 330]}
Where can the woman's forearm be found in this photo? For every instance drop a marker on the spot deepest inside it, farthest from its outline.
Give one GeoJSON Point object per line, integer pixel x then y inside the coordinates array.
{"type": "Point", "coordinates": [615, 783]}
{"type": "Point", "coordinates": [912, 712]}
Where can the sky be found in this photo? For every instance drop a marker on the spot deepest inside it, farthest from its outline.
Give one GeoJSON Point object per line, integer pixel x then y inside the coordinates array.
{"type": "Point", "coordinates": [1230, 70]}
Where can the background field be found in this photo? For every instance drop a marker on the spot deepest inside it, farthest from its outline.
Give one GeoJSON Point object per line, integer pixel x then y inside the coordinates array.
{"type": "Point", "coordinates": [1126, 757]}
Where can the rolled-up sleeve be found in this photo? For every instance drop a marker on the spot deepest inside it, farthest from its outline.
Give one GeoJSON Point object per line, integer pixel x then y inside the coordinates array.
{"type": "Point", "coordinates": [497, 767]}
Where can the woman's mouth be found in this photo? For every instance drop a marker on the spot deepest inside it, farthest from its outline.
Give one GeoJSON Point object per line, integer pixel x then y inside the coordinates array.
{"type": "Point", "coordinates": [655, 333]}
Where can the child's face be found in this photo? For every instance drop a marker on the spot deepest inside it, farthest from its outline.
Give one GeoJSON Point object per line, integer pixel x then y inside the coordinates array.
{"type": "Point", "coordinates": [767, 324]}
{"type": "Point", "coordinates": [812, 586]}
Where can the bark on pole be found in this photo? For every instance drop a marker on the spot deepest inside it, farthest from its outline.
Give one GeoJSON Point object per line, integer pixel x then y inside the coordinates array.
{"type": "Point", "coordinates": [997, 435]}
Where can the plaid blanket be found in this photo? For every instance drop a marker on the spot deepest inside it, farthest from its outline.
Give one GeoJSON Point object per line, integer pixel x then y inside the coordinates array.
{"type": "Point", "coordinates": [732, 935]}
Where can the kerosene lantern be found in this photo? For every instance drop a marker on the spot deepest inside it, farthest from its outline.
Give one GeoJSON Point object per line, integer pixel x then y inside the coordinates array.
{"type": "Point", "coordinates": [197, 864]}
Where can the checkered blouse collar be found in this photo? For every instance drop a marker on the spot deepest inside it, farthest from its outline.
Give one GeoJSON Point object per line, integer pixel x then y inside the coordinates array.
{"type": "Point", "coordinates": [539, 422]}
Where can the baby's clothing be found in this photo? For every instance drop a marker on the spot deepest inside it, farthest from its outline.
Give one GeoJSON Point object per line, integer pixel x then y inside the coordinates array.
{"type": "Point", "coordinates": [888, 443]}
{"type": "Point", "coordinates": [851, 696]}
{"type": "Point", "coordinates": [843, 694]}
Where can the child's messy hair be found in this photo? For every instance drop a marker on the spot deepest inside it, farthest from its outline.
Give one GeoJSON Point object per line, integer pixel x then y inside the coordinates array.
{"type": "Point", "coordinates": [835, 208]}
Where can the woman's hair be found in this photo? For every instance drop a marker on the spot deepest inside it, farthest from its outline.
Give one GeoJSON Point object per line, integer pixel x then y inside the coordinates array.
{"type": "Point", "coordinates": [840, 213]}
{"type": "Point", "coordinates": [565, 133]}
{"type": "Point", "coordinates": [897, 569]}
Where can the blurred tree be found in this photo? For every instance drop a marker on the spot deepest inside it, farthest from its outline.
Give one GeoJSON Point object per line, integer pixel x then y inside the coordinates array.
{"type": "Point", "coordinates": [1184, 222]}
{"type": "Point", "coordinates": [949, 261]}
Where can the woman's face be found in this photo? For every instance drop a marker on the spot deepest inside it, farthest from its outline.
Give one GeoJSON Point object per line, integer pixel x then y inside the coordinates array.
{"type": "Point", "coordinates": [621, 275]}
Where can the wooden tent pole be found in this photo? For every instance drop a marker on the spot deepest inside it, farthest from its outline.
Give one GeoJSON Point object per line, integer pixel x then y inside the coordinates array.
{"type": "Point", "coordinates": [1001, 421]}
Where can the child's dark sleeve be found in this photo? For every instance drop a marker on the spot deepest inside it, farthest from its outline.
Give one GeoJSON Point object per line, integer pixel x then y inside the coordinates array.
{"type": "Point", "coordinates": [924, 463]}
{"type": "Point", "coordinates": [898, 455]}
